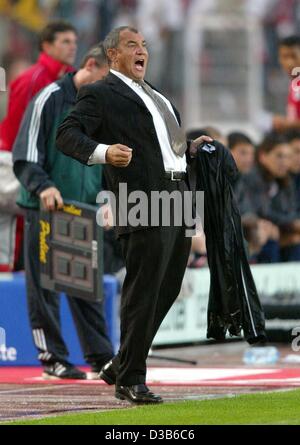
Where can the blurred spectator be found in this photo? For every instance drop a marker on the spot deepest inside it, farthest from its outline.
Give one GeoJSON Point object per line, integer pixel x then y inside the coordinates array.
{"type": "Point", "coordinates": [278, 20]}
{"type": "Point", "coordinates": [271, 196]}
{"type": "Point", "coordinates": [257, 231]}
{"type": "Point", "coordinates": [289, 58]}
{"type": "Point", "coordinates": [58, 44]}
{"type": "Point", "coordinates": [243, 151]}
{"type": "Point", "coordinates": [294, 140]}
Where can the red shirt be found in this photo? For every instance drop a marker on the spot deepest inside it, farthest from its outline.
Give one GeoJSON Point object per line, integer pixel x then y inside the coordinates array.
{"type": "Point", "coordinates": [293, 107]}
{"type": "Point", "coordinates": [45, 71]}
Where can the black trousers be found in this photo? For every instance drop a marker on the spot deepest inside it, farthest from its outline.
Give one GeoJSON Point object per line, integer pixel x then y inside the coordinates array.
{"type": "Point", "coordinates": [44, 313]}
{"type": "Point", "coordinates": [155, 260]}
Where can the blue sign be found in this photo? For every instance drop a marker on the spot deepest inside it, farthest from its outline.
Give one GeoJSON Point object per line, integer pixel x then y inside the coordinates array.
{"type": "Point", "coordinates": [16, 340]}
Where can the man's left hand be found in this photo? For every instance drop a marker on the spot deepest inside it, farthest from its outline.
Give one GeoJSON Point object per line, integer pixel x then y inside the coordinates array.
{"type": "Point", "coordinates": [194, 145]}
{"type": "Point", "coordinates": [51, 199]}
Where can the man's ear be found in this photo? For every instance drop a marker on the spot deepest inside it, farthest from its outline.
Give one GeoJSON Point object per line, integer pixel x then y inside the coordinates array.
{"type": "Point", "coordinates": [90, 64]}
{"type": "Point", "coordinates": [112, 54]}
{"type": "Point", "coordinates": [46, 47]}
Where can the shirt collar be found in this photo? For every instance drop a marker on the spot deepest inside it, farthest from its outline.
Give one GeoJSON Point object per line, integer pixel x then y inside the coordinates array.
{"type": "Point", "coordinates": [127, 80]}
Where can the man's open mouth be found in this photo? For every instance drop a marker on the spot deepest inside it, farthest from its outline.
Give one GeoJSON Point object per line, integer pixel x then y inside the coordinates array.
{"type": "Point", "coordinates": [140, 63]}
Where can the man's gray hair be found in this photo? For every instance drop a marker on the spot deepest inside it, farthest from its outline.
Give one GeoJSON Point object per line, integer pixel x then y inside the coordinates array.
{"type": "Point", "coordinates": [98, 53]}
{"type": "Point", "coordinates": [112, 39]}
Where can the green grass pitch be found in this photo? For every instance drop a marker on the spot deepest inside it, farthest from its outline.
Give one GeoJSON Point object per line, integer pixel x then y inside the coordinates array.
{"type": "Point", "coordinates": [273, 408]}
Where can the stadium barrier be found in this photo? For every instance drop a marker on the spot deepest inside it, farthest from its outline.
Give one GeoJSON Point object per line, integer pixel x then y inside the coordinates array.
{"type": "Point", "coordinates": [278, 286]}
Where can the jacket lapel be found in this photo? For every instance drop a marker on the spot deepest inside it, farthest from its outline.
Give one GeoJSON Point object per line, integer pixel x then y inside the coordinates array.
{"type": "Point", "coordinates": [120, 87]}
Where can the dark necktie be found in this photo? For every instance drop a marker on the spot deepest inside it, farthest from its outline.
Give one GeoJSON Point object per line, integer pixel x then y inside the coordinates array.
{"type": "Point", "coordinates": [176, 134]}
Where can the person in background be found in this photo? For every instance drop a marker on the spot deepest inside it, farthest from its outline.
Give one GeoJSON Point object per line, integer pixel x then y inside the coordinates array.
{"type": "Point", "coordinates": [48, 177]}
{"type": "Point", "coordinates": [58, 45]}
{"type": "Point", "coordinates": [271, 196]}
{"type": "Point", "coordinates": [257, 231]}
{"type": "Point", "coordinates": [243, 151]}
{"type": "Point", "coordinates": [289, 59]}
{"type": "Point", "coordinates": [294, 140]}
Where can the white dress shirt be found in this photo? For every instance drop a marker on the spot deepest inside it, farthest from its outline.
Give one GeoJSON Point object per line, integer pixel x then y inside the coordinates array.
{"type": "Point", "coordinates": [171, 160]}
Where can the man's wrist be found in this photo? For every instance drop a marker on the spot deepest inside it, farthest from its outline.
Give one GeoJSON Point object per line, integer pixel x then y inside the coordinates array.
{"type": "Point", "coordinates": [99, 155]}
{"type": "Point", "coordinates": [46, 185]}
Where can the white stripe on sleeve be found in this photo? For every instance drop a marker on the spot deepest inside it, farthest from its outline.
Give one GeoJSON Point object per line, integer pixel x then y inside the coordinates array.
{"type": "Point", "coordinates": [35, 123]}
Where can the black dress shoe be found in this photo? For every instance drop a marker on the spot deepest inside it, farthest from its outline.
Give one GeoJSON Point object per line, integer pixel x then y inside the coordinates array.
{"type": "Point", "coordinates": [109, 373]}
{"type": "Point", "coordinates": [137, 394]}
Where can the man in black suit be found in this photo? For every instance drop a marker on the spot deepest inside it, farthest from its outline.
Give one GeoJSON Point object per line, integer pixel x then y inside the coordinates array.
{"type": "Point", "coordinates": [126, 124]}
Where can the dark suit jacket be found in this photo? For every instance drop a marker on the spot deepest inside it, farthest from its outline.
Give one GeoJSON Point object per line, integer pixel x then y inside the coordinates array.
{"type": "Point", "coordinates": [109, 112]}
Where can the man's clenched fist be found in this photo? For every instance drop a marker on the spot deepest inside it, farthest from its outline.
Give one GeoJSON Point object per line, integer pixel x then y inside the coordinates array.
{"type": "Point", "coordinates": [119, 155]}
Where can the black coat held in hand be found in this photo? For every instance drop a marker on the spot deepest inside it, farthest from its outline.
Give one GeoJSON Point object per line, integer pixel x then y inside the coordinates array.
{"type": "Point", "coordinates": [233, 301]}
